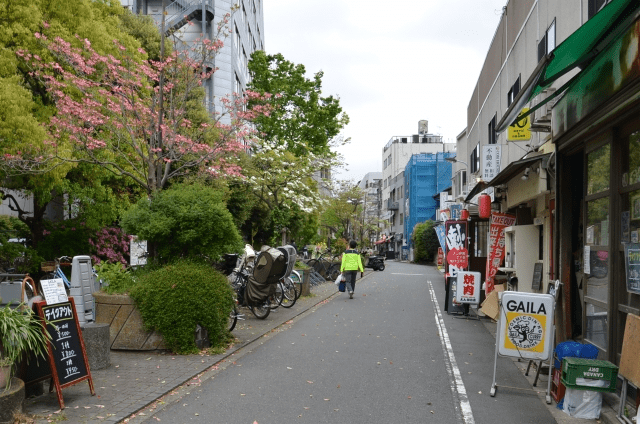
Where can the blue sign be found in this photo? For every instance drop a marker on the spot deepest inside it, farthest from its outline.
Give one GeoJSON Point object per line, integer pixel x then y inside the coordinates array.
{"type": "Point", "coordinates": [440, 233]}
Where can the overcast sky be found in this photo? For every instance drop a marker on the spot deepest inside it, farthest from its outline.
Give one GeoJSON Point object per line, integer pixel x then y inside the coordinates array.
{"type": "Point", "coordinates": [392, 63]}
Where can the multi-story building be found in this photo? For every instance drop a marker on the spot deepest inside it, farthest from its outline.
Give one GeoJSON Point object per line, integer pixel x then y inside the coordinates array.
{"type": "Point", "coordinates": [372, 200]}
{"type": "Point", "coordinates": [572, 181]}
{"type": "Point", "coordinates": [246, 36]}
{"type": "Point", "coordinates": [395, 156]}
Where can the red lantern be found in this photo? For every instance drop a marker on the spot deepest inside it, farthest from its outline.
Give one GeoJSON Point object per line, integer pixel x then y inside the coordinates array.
{"type": "Point", "coordinates": [464, 214]}
{"type": "Point", "coordinates": [484, 206]}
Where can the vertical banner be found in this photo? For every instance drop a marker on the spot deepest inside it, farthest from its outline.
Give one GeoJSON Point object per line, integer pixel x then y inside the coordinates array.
{"type": "Point", "coordinates": [456, 240]}
{"type": "Point", "coordinates": [499, 221]}
{"type": "Point", "coordinates": [440, 233]}
{"type": "Point", "coordinates": [491, 158]}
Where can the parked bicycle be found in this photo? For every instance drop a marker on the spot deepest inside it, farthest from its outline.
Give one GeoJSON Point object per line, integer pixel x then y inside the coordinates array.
{"type": "Point", "coordinates": [53, 270]}
{"type": "Point", "coordinates": [326, 265]}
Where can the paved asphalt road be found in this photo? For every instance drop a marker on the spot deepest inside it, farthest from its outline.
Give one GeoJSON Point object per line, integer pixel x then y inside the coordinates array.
{"type": "Point", "coordinates": [379, 358]}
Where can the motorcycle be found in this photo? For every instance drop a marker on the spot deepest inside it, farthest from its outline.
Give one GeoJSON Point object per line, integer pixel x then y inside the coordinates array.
{"type": "Point", "coordinates": [375, 262]}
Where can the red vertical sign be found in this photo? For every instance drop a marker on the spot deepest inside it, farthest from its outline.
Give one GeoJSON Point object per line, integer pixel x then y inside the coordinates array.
{"type": "Point", "coordinates": [499, 221]}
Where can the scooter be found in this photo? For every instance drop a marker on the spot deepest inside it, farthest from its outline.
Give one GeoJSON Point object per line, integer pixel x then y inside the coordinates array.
{"type": "Point", "coordinates": [375, 262]}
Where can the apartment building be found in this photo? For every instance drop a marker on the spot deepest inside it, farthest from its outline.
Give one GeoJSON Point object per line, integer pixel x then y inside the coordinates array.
{"type": "Point", "coordinates": [395, 156]}
{"type": "Point", "coordinates": [371, 185]}
{"type": "Point", "coordinates": [246, 36]}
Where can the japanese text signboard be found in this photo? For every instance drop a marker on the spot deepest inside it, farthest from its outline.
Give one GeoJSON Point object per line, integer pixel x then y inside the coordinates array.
{"type": "Point", "coordinates": [526, 325]}
{"type": "Point", "coordinates": [67, 354]}
{"type": "Point", "coordinates": [469, 287]}
{"type": "Point", "coordinates": [457, 254]}
{"type": "Point", "coordinates": [491, 157]}
{"type": "Point", "coordinates": [499, 221]}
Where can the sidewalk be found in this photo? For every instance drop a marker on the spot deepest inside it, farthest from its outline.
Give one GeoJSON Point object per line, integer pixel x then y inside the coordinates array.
{"type": "Point", "coordinates": [609, 402]}
{"type": "Point", "coordinates": [137, 380]}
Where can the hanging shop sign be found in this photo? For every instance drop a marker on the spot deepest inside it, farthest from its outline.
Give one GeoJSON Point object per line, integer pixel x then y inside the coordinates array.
{"type": "Point", "coordinates": [525, 328]}
{"type": "Point", "coordinates": [520, 130]}
{"type": "Point", "coordinates": [632, 267]}
{"type": "Point", "coordinates": [469, 287]}
{"type": "Point", "coordinates": [491, 157]}
{"type": "Point", "coordinates": [499, 221]}
{"type": "Point", "coordinates": [456, 242]}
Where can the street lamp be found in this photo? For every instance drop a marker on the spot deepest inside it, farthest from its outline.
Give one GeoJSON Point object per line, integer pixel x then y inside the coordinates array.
{"type": "Point", "coordinates": [355, 203]}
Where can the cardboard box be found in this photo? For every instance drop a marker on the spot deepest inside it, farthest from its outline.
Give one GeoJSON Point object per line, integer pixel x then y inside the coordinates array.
{"type": "Point", "coordinates": [491, 306]}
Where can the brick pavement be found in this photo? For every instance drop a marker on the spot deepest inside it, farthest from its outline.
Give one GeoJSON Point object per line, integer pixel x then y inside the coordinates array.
{"type": "Point", "coordinates": [136, 380]}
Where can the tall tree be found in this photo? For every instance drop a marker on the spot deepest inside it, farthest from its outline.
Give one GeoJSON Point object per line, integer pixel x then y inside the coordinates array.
{"type": "Point", "coordinates": [302, 119]}
{"type": "Point", "coordinates": [24, 102]}
{"type": "Point", "coordinates": [132, 117]}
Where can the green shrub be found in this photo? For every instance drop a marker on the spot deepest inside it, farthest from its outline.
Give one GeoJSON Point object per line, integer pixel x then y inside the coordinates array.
{"type": "Point", "coordinates": [115, 277]}
{"type": "Point", "coordinates": [339, 246]}
{"type": "Point", "coordinates": [185, 221]}
{"type": "Point", "coordinates": [21, 258]}
{"type": "Point", "coordinates": [176, 298]}
{"type": "Point", "coordinates": [425, 241]}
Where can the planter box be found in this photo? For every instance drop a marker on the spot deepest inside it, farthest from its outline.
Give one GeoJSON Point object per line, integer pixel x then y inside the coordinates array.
{"type": "Point", "coordinates": [126, 329]}
{"type": "Point", "coordinates": [306, 287]}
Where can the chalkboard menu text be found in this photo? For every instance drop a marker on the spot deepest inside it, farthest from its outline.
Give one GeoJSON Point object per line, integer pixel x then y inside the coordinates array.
{"type": "Point", "coordinates": [67, 354]}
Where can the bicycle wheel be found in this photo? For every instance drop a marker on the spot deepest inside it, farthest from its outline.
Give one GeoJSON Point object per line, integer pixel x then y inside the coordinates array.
{"type": "Point", "coordinates": [262, 311]}
{"type": "Point", "coordinates": [233, 319]}
{"type": "Point", "coordinates": [297, 283]}
{"type": "Point", "coordinates": [277, 297]}
{"type": "Point", "coordinates": [316, 265]}
{"type": "Point", "coordinates": [289, 293]}
{"type": "Point", "coordinates": [334, 271]}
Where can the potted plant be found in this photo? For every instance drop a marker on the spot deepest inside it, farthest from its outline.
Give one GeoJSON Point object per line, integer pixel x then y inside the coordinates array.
{"type": "Point", "coordinates": [19, 334]}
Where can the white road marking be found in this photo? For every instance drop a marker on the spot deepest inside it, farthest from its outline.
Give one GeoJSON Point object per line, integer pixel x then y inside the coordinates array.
{"type": "Point", "coordinates": [399, 273]}
{"type": "Point", "coordinates": [457, 385]}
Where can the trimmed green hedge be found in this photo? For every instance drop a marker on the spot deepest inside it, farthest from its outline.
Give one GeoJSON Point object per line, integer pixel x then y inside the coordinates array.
{"type": "Point", "coordinates": [176, 298]}
{"type": "Point", "coordinates": [425, 242]}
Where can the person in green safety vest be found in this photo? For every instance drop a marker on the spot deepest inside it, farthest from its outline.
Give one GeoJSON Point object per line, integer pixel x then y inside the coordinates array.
{"type": "Point", "coordinates": [351, 264]}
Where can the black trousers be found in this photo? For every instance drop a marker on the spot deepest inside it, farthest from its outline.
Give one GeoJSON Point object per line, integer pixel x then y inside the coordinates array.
{"type": "Point", "coordinates": [350, 276]}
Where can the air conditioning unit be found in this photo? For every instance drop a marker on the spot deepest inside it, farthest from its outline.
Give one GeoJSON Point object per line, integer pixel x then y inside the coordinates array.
{"type": "Point", "coordinates": [544, 113]}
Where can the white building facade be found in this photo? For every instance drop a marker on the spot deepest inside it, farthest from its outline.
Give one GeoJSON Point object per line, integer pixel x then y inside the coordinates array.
{"type": "Point", "coordinates": [246, 36]}
{"type": "Point", "coordinates": [395, 156]}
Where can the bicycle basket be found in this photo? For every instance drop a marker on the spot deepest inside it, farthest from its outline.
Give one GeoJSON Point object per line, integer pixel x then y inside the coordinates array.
{"type": "Point", "coordinates": [48, 266]}
{"type": "Point", "coordinates": [270, 266]}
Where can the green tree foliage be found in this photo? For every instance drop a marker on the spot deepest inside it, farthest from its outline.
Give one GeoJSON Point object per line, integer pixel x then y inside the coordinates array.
{"type": "Point", "coordinates": [185, 221]}
{"type": "Point", "coordinates": [342, 214]}
{"type": "Point", "coordinates": [301, 118]}
{"type": "Point", "coordinates": [175, 299]}
{"type": "Point", "coordinates": [25, 105]}
{"type": "Point", "coordinates": [16, 255]}
{"type": "Point", "coordinates": [425, 241]}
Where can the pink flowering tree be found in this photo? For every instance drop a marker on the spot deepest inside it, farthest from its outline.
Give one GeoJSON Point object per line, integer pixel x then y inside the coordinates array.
{"type": "Point", "coordinates": [134, 117]}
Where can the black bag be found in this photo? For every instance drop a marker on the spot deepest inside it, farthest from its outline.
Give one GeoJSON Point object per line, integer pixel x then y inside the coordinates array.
{"type": "Point", "coordinates": [342, 286]}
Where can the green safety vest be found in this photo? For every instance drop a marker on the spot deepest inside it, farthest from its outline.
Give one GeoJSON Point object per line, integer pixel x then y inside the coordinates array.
{"type": "Point", "coordinates": [351, 261]}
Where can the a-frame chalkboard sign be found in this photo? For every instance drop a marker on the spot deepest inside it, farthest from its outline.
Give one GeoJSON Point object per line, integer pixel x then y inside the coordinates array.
{"type": "Point", "coordinates": [67, 354]}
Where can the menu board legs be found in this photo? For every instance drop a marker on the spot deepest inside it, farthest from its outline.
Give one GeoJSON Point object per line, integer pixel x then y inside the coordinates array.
{"type": "Point", "coordinates": [66, 350]}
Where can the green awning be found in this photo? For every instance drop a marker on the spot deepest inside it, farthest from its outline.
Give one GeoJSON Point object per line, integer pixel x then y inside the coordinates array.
{"type": "Point", "coordinates": [579, 49]}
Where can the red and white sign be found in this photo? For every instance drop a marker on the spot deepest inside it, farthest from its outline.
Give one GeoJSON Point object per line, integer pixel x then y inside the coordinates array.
{"type": "Point", "coordinates": [458, 258]}
{"type": "Point", "coordinates": [469, 286]}
{"type": "Point", "coordinates": [440, 256]}
{"type": "Point", "coordinates": [499, 221]}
